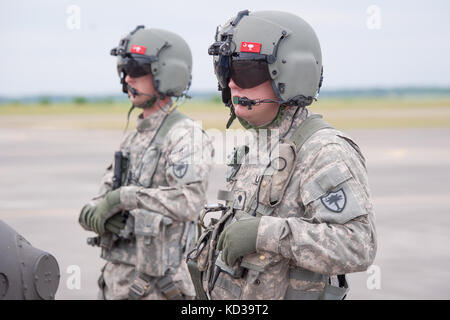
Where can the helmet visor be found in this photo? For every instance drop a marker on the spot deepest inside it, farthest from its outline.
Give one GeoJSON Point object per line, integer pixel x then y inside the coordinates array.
{"type": "Point", "coordinates": [245, 73]}
{"type": "Point", "coordinates": [134, 66]}
{"type": "Point", "coordinates": [249, 73]}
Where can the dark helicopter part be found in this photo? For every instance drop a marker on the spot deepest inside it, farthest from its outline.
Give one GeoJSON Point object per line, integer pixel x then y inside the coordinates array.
{"type": "Point", "coordinates": [26, 273]}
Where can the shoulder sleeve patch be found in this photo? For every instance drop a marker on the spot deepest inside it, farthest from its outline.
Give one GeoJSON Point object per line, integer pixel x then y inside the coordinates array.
{"type": "Point", "coordinates": [335, 201]}
{"type": "Point", "coordinates": [334, 195]}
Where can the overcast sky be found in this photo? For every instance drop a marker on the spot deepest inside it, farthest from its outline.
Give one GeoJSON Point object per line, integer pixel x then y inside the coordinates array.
{"type": "Point", "coordinates": [364, 43]}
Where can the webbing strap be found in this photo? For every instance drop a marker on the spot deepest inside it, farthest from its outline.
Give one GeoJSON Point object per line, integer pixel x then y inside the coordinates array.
{"type": "Point", "coordinates": [292, 294]}
{"type": "Point", "coordinates": [141, 286]}
{"type": "Point", "coordinates": [196, 277]}
{"type": "Point", "coordinates": [335, 293]}
{"type": "Point", "coordinates": [169, 122]}
{"type": "Point", "coordinates": [306, 275]}
{"type": "Point", "coordinates": [330, 292]}
{"type": "Point", "coordinates": [168, 288]}
{"type": "Point", "coordinates": [307, 128]}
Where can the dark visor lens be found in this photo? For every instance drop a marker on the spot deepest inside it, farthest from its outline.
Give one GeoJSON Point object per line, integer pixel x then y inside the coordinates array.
{"type": "Point", "coordinates": [134, 67]}
{"type": "Point", "coordinates": [249, 73]}
{"type": "Point", "coordinates": [222, 69]}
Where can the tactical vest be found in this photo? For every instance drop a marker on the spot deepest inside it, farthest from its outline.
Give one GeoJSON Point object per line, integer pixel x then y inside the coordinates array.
{"type": "Point", "coordinates": [204, 261]}
{"type": "Point", "coordinates": [144, 241]}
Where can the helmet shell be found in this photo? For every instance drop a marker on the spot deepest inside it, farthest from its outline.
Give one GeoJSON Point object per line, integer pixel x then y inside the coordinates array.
{"type": "Point", "coordinates": [290, 44]}
{"type": "Point", "coordinates": [170, 56]}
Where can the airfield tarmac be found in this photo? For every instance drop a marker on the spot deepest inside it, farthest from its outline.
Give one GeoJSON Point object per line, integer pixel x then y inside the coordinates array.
{"type": "Point", "coordinates": [47, 174]}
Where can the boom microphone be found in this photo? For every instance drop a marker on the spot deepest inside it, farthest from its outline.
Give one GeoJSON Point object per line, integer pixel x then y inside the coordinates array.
{"type": "Point", "coordinates": [135, 93]}
{"type": "Point", "coordinates": [246, 102]}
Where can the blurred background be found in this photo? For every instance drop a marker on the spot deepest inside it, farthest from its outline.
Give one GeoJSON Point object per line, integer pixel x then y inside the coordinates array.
{"type": "Point", "coordinates": [386, 83]}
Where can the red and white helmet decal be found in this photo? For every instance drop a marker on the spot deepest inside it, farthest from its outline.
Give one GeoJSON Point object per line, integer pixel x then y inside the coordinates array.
{"type": "Point", "coordinates": [250, 47]}
{"type": "Point", "coordinates": [138, 49]}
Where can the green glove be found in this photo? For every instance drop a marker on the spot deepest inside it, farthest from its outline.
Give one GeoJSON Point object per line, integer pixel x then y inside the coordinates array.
{"type": "Point", "coordinates": [116, 223]}
{"type": "Point", "coordinates": [238, 239]}
{"type": "Point", "coordinates": [85, 214]}
{"type": "Point", "coordinates": [94, 217]}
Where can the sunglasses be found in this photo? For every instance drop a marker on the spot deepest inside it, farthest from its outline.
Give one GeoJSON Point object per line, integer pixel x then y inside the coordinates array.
{"type": "Point", "coordinates": [134, 66]}
{"type": "Point", "coordinates": [245, 73]}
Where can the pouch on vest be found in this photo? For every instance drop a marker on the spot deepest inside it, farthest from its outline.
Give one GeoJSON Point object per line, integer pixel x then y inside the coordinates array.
{"type": "Point", "coordinates": [277, 175]}
{"type": "Point", "coordinates": [150, 229]}
{"type": "Point", "coordinates": [256, 283]}
{"type": "Point", "coordinates": [331, 192]}
{"type": "Point", "coordinates": [256, 264]}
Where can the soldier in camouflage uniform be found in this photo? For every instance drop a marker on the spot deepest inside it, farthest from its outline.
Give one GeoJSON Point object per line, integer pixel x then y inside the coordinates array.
{"type": "Point", "coordinates": [150, 198]}
{"type": "Point", "coordinates": [297, 220]}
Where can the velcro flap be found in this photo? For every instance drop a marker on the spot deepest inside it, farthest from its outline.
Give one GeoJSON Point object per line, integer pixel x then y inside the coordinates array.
{"type": "Point", "coordinates": [333, 177]}
{"type": "Point", "coordinates": [324, 181]}
{"type": "Point", "coordinates": [148, 223]}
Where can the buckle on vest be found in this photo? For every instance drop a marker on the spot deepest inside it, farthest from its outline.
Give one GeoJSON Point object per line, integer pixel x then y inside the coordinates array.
{"type": "Point", "coordinates": [139, 288]}
{"type": "Point", "coordinates": [168, 288]}
{"type": "Point", "coordinates": [211, 208]}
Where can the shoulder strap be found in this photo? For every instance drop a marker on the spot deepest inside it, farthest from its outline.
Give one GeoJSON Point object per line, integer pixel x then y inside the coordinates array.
{"type": "Point", "coordinates": [307, 128]}
{"type": "Point", "coordinates": [173, 118]}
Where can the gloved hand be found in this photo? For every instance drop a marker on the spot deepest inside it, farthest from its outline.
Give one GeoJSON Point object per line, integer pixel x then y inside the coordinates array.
{"type": "Point", "coordinates": [94, 217]}
{"type": "Point", "coordinates": [238, 239]}
{"type": "Point", "coordinates": [116, 223]}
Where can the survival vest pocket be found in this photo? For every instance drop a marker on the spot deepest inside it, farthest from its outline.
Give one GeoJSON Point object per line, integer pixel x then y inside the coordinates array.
{"type": "Point", "coordinates": [259, 279]}
{"type": "Point", "coordinates": [277, 175]}
{"type": "Point", "coordinates": [150, 229]}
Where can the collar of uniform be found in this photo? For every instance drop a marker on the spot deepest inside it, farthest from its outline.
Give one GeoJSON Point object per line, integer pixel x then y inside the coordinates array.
{"type": "Point", "coordinates": [153, 121]}
{"type": "Point", "coordinates": [286, 119]}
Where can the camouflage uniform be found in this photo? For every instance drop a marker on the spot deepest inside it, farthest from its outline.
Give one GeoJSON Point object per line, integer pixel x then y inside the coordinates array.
{"type": "Point", "coordinates": [317, 219]}
{"type": "Point", "coordinates": [162, 204]}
